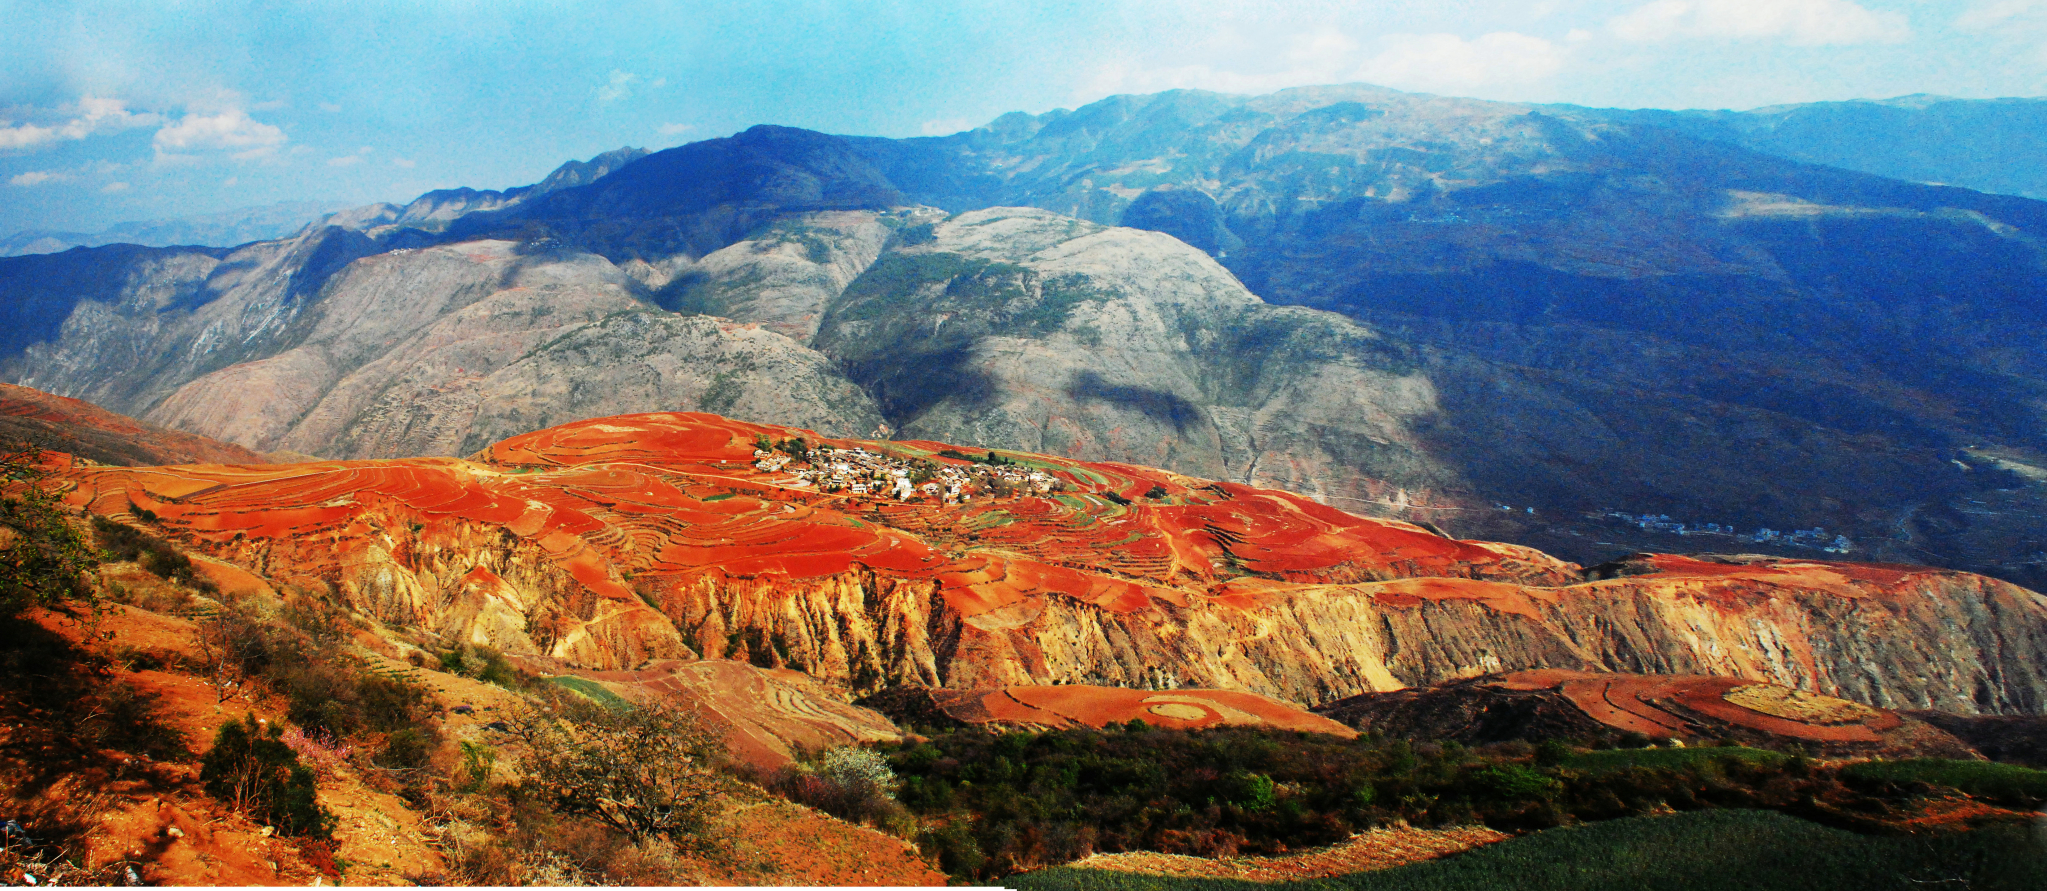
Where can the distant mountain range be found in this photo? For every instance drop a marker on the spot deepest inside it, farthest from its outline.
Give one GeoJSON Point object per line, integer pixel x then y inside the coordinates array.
{"type": "Point", "coordinates": [1990, 145]}
{"type": "Point", "coordinates": [1593, 331]}
{"type": "Point", "coordinates": [231, 227]}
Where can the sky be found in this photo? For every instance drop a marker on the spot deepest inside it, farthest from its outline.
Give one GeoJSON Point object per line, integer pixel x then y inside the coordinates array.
{"type": "Point", "coordinates": [150, 110]}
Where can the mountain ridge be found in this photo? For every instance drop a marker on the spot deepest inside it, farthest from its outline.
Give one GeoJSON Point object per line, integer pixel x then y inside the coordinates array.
{"type": "Point", "coordinates": [1449, 308]}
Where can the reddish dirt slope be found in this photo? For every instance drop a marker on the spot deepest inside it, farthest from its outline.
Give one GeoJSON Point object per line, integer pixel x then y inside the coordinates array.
{"type": "Point", "coordinates": [1558, 703]}
{"type": "Point", "coordinates": [88, 431]}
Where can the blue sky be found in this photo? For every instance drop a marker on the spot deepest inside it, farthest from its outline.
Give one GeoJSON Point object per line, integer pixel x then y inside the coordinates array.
{"type": "Point", "coordinates": [142, 110]}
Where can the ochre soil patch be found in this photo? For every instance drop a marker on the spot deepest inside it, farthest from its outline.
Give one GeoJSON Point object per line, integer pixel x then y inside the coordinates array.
{"type": "Point", "coordinates": [1377, 849]}
{"type": "Point", "coordinates": [783, 843]}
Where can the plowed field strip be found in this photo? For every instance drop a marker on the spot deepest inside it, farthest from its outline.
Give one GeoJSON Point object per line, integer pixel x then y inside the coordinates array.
{"type": "Point", "coordinates": [1374, 850]}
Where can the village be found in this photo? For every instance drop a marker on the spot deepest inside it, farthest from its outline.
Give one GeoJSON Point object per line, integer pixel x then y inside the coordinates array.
{"type": "Point", "coordinates": [1815, 538]}
{"type": "Point", "coordinates": [859, 472]}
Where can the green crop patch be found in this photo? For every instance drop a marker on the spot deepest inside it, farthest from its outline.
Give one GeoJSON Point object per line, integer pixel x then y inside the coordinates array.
{"type": "Point", "coordinates": [591, 690]}
{"type": "Point", "coordinates": [2007, 783]}
{"type": "Point", "coordinates": [1672, 758]}
{"type": "Point", "coordinates": [1726, 850]}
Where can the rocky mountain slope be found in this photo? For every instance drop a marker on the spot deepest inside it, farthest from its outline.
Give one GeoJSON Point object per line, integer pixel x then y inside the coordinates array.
{"type": "Point", "coordinates": [1543, 324]}
{"type": "Point", "coordinates": [607, 543]}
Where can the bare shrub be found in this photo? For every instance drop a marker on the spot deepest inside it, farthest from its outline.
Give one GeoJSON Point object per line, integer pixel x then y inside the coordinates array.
{"type": "Point", "coordinates": [648, 769]}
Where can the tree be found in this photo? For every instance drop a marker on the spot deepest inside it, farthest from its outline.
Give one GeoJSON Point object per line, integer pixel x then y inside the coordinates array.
{"type": "Point", "coordinates": [646, 768]}
{"type": "Point", "coordinates": [44, 561]}
{"type": "Point", "coordinates": [251, 769]}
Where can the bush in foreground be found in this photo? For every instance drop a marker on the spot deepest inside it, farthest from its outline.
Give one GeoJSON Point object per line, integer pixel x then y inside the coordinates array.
{"type": "Point", "coordinates": [252, 769]}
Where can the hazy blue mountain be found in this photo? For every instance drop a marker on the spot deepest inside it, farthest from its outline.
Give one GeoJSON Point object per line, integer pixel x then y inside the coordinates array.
{"type": "Point", "coordinates": [223, 229]}
{"type": "Point", "coordinates": [1991, 145]}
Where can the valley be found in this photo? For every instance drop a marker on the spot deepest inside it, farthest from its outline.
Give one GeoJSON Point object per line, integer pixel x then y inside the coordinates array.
{"type": "Point", "coordinates": [1336, 484]}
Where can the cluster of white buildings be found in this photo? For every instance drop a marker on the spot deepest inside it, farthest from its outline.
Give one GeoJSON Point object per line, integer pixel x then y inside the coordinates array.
{"type": "Point", "coordinates": [1815, 538]}
{"type": "Point", "coordinates": [861, 472]}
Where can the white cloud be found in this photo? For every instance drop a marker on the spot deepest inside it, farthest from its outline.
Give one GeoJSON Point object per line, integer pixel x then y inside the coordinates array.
{"type": "Point", "coordinates": [1314, 57]}
{"type": "Point", "coordinates": [1986, 16]}
{"type": "Point", "coordinates": [91, 115]}
{"type": "Point", "coordinates": [945, 126]}
{"type": "Point", "coordinates": [330, 107]}
{"type": "Point", "coordinates": [1446, 62]}
{"type": "Point", "coordinates": [674, 129]}
{"type": "Point", "coordinates": [228, 129]}
{"type": "Point", "coordinates": [37, 178]}
{"type": "Point", "coordinates": [351, 160]}
{"type": "Point", "coordinates": [22, 136]}
{"type": "Point", "coordinates": [1407, 61]}
{"type": "Point", "coordinates": [618, 86]}
{"type": "Point", "coordinates": [231, 181]}
{"type": "Point", "coordinates": [113, 188]}
{"type": "Point", "coordinates": [404, 163]}
{"type": "Point", "coordinates": [1801, 22]}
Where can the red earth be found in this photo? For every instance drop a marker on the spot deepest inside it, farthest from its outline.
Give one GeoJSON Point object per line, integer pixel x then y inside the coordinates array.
{"type": "Point", "coordinates": [88, 431]}
{"type": "Point", "coordinates": [676, 497]}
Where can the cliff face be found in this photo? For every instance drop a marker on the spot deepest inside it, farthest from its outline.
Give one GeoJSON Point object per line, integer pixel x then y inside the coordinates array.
{"type": "Point", "coordinates": [610, 542]}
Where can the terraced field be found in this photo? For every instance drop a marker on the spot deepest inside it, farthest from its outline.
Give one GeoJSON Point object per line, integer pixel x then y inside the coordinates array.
{"type": "Point", "coordinates": [1560, 703]}
{"type": "Point", "coordinates": [610, 542]}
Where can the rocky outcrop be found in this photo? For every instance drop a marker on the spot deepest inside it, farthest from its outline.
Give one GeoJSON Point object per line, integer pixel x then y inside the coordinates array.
{"type": "Point", "coordinates": [609, 542]}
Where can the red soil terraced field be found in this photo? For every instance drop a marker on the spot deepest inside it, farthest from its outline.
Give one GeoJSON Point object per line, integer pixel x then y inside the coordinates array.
{"type": "Point", "coordinates": [88, 431]}
{"type": "Point", "coordinates": [1555, 702]}
{"type": "Point", "coordinates": [610, 542]}
{"type": "Point", "coordinates": [1086, 705]}
{"type": "Point", "coordinates": [767, 715]}
{"type": "Point", "coordinates": [667, 499]}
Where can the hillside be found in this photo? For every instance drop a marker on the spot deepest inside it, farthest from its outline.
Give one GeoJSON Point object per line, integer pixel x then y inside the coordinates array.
{"type": "Point", "coordinates": [799, 606]}
{"type": "Point", "coordinates": [607, 543]}
{"type": "Point", "coordinates": [43, 421]}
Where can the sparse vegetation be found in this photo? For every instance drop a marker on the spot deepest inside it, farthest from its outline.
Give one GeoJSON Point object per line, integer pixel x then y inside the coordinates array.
{"type": "Point", "coordinates": [121, 542]}
{"type": "Point", "coordinates": [44, 560]}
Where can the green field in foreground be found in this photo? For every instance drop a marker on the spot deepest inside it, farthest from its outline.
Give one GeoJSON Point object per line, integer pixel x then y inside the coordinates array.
{"type": "Point", "coordinates": [1699, 851]}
